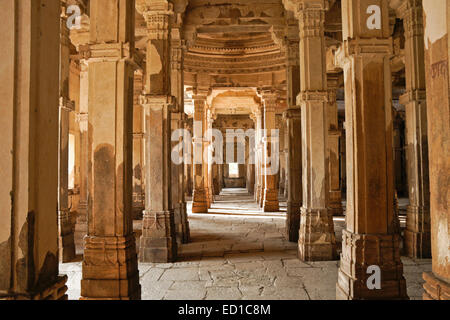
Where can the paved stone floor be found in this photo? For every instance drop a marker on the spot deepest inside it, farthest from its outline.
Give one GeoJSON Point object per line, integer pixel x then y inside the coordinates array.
{"type": "Point", "coordinates": [238, 252]}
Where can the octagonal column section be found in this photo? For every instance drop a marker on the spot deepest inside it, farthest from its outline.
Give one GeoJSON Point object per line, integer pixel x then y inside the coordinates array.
{"type": "Point", "coordinates": [371, 238]}
{"type": "Point", "coordinates": [316, 236]}
{"type": "Point", "coordinates": [417, 233]}
{"type": "Point", "coordinates": [158, 241]}
{"type": "Point", "coordinates": [199, 197]}
{"type": "Point", "coordinates": [109, 269]}
{"type": "Point", "coordinates": [271, 155]}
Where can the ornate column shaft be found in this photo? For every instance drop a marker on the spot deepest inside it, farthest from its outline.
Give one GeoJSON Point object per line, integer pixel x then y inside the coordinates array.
{"type": "Point", "coordinates": [270, 169]}
{"type": "Point", "coordinates": [293, 144]}
{"type": "Point", "coordinates": [294, 165]}
{"type": "Point", "coordinates": [83, 123]}
{"type": "Point", "coordinates": [210, 190]}
{"type": "Point", "coordinates": [437, 282]}
{"type": "Point", "coordinates": [200, 196]}
{"type": "Point", "coordinates": [29, 83]}
{"type": "Point", "coordinates": [66, 235]}
{"type": "Point", "coordinates": [335, 199]}
{"type": "Point", "coordinates": [138, 148]}
{"type": "Point", "coordinates": [258, 125]}
{"type": "Point", "coordinates": [109, 268]}
{"type": "Point", "coordinates": [417, 233]}
{"type": "Point", "coordinates": [371, 236]}
{"type": "Point", "coordinates": [316, 236]}
{"type": "Point", "coordinates": [158, 241]}
{"type": "Point", "coordinates": [177, 123]}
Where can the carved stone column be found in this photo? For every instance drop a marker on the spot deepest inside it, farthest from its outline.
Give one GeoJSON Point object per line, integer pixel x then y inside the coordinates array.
{"type": "Point", "coordinates": [177, 123]}
{"type": "Point", "coordinates": [316, 236]}
{"type": "Point", "coordinates": [294, 165]}
{"type": "Point", "coordinates": [270, 169]}
{"type": "Point", "coordinates": [210, 190]}
{"type": "Point", "coordinates": [66, 235]}
{"type": "Point", "coordinates": [437, 282]}
{"type": "Point", "coordinates": [417, 233]}
{"type": "Point", "coordinates": [158, 241]}
{"type": "Point", "coordinates": [200, 196]}
{"type": "Point", "coordinates": [138, 205]}
{"type": "Point", "coordinates": [83, 122]}
{"type": "Point", "coordinates": [110, 261]}
{"type": "Point", "coordinates": [258, 130]}
{"type": "Point", "coordinates": [371, 237]}
{"type": "Point", "coordinates": [335, 200]}
{"type": "Point", "coordinates": [29, 82]}
{"type": "Point", "coordinates": [294, 143]}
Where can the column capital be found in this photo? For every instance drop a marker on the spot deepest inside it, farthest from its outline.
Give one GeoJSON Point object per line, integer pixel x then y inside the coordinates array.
{"type": "Point", "coordinates": [157, 101]}
{"type": "Point", "coordinates": [156, 14]}
{"type": "Point", "coordinates": [311, 95]}
{"type": "Point", "coordinates": [411, 11]}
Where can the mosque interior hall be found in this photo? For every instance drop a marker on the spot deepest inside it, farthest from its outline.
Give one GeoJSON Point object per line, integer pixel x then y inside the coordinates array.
{"type": "Point", "coordinates": [225, 150]}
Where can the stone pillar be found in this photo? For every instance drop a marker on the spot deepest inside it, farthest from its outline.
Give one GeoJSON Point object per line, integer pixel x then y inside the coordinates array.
{"type": "Point", "coordinates": [270, 169]}
{"type": "Point", "coordinates": [371, 237]}
{"type": "Point", "coordinates": [257, 120]}
{"type": "Point", "coordinates": [210, 190]}
{"type": "Point", "coordinates": [66, 236]}
{"type": "Point", "coordinates": [282, 171]}
{"type": "Point", "coordinates": [437, 282]}
{"type": "Point", "coordinates": [109, 268]}
{"type": "Point", "coordinates": [293, 144]}
{"type": "Point", "coordinates": [200, 196]}
{"type": "Point", "coordinates": [417, 233]}
{"type": "Point", "coordinates": [158, 241]}
{"type": "Point", "coordinates": [29, 82]}
{"type": "Point", "coordinates": [316, 236]}
{"type": "Point", "coordinates": [83, 121]}
{"type": "Point", "coordinates": [138, 148]}
{"type": "Point", "coordinates": [177, 123]}
{"type": "Point", "coordinates": [294, 165]}
{"type": "Point", "coordinates": [335, 199]}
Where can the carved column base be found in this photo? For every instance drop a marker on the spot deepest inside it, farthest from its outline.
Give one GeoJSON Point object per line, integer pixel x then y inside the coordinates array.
{"type": "Point", "coordinates": [359, 251]}
{"type": "Point", "coordinates": [185, 224]}
{"type": "Point", "coordinates": [158, 242]}
{"type": "Point", "coordinates": [417, 234]}
{"type": "Point", "coordinates": [66, 239]}
{"type": "Point", "coordinates": [56, 291]}
{"type": "Point", "coordinates": [199, 201]}
{"type": "Point", "coordinates": [110, 269]}
{"type": "Point", "coordinates": [435, 289]}
{"type": "Point", "coordinates": [293, 220]}
{"type": "Point", "coordinates": [270, 203]}
{"type": "Point", "coordinates": [317, 241]}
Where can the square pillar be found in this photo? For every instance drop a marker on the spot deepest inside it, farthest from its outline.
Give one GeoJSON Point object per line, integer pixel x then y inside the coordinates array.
{"type": "Point", "coordinates": [417, 233]}
{"type": "Point", "coordinates": [200, 195]}
{"type": "Point", "coordinates": [109, 269]}
{"type": "Point", "coordinates": [29, 83]}
{"type": "Point", "coordinates": [66, 234]}
{"type": "Point", "coordinates": [437, 282]}
{"type": "Point", "coordinates": [270, 169]}
{"type": "Point", "coordinates": [158, 241]}
{"type": "Point", "coordinates": [316, 236]}
{"type": "Point", "coordinates": [371, 238]}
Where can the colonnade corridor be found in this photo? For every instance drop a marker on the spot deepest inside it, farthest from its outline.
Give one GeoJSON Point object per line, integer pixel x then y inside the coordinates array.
{"type": "Point", "coordinates": [238, 252]}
